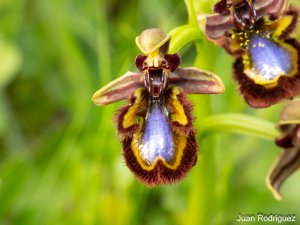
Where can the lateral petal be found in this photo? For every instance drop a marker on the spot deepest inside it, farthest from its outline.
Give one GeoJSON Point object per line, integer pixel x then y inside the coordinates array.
{"type": "Point", "coordinates": [287, 163]}
{"type": "Point", "coordinates": [196, 81]}
{"type": "Point", "coordinates": [118, 89]}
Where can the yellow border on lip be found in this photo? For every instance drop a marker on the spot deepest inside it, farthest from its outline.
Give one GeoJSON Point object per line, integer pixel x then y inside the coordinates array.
{"type": "Point", "coordinates": [179, 114]}
{"type": "Point", "coordinates": [282, 24]}
{"type": "Point", "coordinates": [130, 118]}
{"type": "Point", "coordinates": [179, 138]}
{"type": "Point", "coordinates": [180, 146]}
{"type": "Point", "coordinates": [256, 77]}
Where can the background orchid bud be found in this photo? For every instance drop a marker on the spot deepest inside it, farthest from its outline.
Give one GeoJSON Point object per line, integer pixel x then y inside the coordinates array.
{"type": "Point", "coordinates": [289, 160]}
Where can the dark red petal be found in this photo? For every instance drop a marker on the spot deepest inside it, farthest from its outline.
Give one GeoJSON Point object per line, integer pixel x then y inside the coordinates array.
{"type": "Point", "coordinates": [285, 142]}
{"type": "Point", "coordinates": [173, 61]}
{"type": "Point", "coordinates": [221, 7]}
{"type": "Point", "coordinates": [139, 60]}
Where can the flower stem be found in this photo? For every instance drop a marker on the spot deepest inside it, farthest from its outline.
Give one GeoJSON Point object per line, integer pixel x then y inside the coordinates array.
{"type": "Point", "coordinates": [238, 124]}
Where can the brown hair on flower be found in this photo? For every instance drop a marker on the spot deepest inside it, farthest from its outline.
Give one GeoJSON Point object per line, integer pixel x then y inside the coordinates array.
{"type": "Point", "coordinates": [257, 33]}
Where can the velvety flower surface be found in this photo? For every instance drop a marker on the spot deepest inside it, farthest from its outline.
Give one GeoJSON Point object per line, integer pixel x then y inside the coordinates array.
{"type": "Point", "coordinates": [289, 160]}
{"type": "Point", "coordinates": [257, 34]}
{"type": "Point", "coordinates": [155, 126]}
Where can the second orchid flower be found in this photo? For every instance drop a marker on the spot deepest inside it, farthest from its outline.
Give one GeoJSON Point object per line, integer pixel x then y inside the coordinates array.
{"type": "Point", "coordinates": [257, 33]}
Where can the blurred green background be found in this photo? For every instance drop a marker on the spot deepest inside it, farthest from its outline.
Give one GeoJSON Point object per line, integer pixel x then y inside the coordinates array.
{"type": "Point", "coordinates": [61, 161]}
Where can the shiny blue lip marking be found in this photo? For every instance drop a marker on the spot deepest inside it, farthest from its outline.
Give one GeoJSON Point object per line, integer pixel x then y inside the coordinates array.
{"type": "Point", "coordinates": [268, 58]}
{"type": "Point", "coordinates": [157, 138]}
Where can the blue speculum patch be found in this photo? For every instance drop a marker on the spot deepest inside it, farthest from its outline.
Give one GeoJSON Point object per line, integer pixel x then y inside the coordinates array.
{"type": "Point", "coordinates": [157, 138]}
{"type": "Point", "coordinates": [269, 60]}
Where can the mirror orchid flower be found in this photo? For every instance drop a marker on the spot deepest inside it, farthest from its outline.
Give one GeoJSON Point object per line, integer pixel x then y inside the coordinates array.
{"type": "Point", "coordinates": [155, 126]}
{"type": "Point", "coordinates": [257, 33]}
{"type": "Point", "coordinates": [289, 160]}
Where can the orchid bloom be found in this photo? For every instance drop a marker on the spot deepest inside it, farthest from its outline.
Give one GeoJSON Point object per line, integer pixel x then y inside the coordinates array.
{"type": "Point", "coordinates": [155, 126]}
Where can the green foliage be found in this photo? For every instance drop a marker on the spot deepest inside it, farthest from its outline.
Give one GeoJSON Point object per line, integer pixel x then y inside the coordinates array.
{"type": "Point", "coordinates": [61, 161]}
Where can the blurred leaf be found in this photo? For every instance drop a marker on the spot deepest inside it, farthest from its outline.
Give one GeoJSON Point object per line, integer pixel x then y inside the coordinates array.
{"type": "Point", "coordinates": [69, 167]}
{"type": "Point", "coordinates": [238, 124]}
{"type": "Point", "coordinates": [10, 62]}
